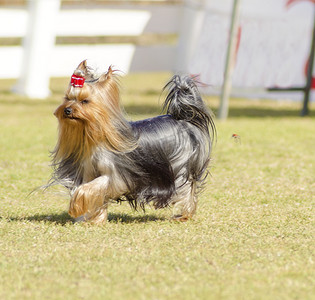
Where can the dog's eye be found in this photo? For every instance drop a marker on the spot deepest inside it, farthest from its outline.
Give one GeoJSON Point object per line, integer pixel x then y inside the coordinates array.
{"type": "Point", "coordinates": [85, 101]}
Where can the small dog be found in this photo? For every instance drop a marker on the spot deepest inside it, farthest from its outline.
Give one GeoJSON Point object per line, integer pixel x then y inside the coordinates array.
{"type": "Point", "coordinates": [101, 157]}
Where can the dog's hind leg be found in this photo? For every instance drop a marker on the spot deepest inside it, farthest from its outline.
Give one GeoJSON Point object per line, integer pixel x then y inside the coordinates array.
{"type": "Point", "coordinates": [185, 202]}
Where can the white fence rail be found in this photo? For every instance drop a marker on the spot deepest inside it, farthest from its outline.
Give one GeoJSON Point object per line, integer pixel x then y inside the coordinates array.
{"type": "Point", "coordinates": [122, 20]}
{"type": "Point", "coordinates": [274, 39]}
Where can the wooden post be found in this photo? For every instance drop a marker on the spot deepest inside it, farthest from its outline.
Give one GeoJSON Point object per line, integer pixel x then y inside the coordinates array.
{"type": "Point", "coordinates": [37, 48]}
{"type": "Point", "coordinates": [308, 87]}
{"type": "Point", "coordinates": [230, 58]}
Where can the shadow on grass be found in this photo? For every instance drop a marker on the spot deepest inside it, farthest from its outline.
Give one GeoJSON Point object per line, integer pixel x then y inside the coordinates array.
{"type": "Point", "coordinates": [261, 112]}
{"type": "Point", "coordinates": [251, 111]}
{"type": "Point", "coordinates": [134, 110]}
{"type": "Point", "coordinates": [64, 218]}
{"type": "Point", "coordinates": [125, 218]}
{"type": "Point", "coordinates": [61, 219]}
{"type": "Point", "coordinates": [14, 100]}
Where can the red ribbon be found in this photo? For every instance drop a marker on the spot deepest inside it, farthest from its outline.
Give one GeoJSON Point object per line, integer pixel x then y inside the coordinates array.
{"type": "Point", "coordinates": [77, 81]}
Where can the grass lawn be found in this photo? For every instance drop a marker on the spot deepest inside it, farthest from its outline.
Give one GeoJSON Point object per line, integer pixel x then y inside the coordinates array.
{"type": "Point", "coordinates": [252, 238]}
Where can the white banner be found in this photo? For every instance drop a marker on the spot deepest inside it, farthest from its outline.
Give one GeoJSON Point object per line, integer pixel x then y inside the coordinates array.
{"type": "Point", "coordinates": [274, 41]}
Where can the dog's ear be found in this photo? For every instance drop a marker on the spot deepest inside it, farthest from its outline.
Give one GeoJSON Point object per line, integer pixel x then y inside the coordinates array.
{"type": "Point", "coordinates": [82, 69]}
{"type": "Point", "coordinates": [110, 71]}
{"type": "Point", "coordinates": [107, 75]}
{"type": "Point", "coordinates": [82, 65]}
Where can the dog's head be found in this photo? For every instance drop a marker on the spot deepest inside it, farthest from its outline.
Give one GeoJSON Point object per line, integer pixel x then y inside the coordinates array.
{"type": "Point", "coordinates": [89, 99]}
{"type": "Point", "coordinates": [90, 114]}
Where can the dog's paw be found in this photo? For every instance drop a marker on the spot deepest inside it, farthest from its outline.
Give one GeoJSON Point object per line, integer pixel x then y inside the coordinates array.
{"type": "Point", "coordinates": [78, 205]}
{"type": "Point", "coordinates": [181, 218]}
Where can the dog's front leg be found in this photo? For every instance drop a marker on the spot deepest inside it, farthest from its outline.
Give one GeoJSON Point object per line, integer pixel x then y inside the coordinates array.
{"type": "Point", "coordinates": [90, 198]}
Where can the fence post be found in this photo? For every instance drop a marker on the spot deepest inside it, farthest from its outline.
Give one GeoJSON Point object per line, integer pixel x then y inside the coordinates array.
{"type": "Point", "coordinates": [37, 49]}
{"type": "Point", "coordinates": [226, 87]}
{"type": "Point", "coordinates": [309, 79]}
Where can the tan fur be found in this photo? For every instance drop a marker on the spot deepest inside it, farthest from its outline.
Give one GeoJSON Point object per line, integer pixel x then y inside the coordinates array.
{"type": "Point", "coordinates": [93, 124]}
{"type": "Point", "coordinates": [185, 204]}
{"type": "Point", "coordinates": [88, 126]}
{"type": "Point", "coordinates": [86, 198]}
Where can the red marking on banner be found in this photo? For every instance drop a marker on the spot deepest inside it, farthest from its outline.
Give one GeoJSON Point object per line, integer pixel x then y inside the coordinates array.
{"type": "Point", "coordinates": [291, 2]}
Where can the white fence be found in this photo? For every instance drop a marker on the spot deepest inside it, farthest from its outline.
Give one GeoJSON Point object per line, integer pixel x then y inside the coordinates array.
{"type": "Point", "coordinates": [273, 42]}
{"type": "Point", "coordinates": [120, 20]}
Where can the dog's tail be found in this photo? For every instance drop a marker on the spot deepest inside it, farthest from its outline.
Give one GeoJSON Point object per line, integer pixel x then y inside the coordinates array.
{"type": "Point", "coordinates": [184, 102]}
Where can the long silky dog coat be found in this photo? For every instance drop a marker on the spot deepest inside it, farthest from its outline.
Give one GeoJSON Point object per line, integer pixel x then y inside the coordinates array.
{"type": "Point", "coordinates": [100, 156]}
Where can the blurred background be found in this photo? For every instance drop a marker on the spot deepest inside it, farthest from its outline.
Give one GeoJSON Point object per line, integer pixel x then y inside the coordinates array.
{"type": "Point", "coordinates": [41, 39]}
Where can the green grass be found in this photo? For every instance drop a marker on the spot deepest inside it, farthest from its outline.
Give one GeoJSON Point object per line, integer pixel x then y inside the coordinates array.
{"type": "Point", "coordinates": [252, 237]}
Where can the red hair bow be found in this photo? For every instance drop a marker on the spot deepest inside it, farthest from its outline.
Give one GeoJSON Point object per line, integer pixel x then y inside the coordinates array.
{"type": "Point", "coordinates": [77, 81]}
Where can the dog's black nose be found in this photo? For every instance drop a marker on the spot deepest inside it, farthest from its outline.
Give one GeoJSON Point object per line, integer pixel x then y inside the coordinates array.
{"type": "Point", "coordinates": [68, 111]}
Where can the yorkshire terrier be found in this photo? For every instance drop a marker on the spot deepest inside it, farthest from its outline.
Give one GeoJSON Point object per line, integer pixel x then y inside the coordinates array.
{"type": "Point", "coordinates": [100, 156]}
